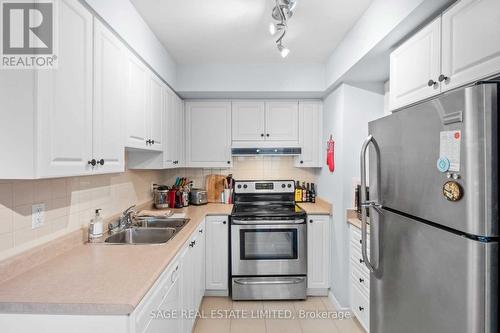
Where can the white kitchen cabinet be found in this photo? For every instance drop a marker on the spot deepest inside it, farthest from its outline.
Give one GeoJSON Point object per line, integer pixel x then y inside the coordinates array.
{"type": "Point", "coordinates": [282, 119]}
{"type": "Point", "coordinates": [216, 255]}
{"type": "Point", "coordinates": [248, 121]}
{"type": "Point", "coordinates": [359, 279]}
{"type": "Point", "coordinates": [318, 254]}
{"type": "Point", "coordinates": [208, 134]}
{"type": "Point", "coordinates": [471, 42]}
{"type": "Point", "coordinates": [310, 135]}
{"type": "Point", "coordinates": [64, 98]}
{"type": "Point", "coordinates": [109, 97]}
{"type": "Point", "coordinates": [174, 146]}
{"type": "Point", "coordinates": [156, 112]}
{"type": "Point", "coordinates": [137, 133]}
{"type": "Point", "coordinates": [415, 67]}
{"type": "Point", "coordinates": [193, 277]}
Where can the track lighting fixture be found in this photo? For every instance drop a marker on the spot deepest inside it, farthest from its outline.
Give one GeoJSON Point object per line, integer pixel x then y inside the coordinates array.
{"type": "Point", "coordinates": [282, 12]}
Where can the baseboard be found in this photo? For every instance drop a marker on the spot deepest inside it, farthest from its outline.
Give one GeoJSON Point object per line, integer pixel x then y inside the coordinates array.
{"type": "Point", "coordinates": [217, 293]}
{"type": "Point", "coordinates": [318, 292]}
{"type": "Point", "coordinates": [336, 303]}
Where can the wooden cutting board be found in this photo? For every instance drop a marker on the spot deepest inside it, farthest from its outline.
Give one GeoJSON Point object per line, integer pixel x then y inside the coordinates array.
{"type": "Point", "coordinates": [215, 186]}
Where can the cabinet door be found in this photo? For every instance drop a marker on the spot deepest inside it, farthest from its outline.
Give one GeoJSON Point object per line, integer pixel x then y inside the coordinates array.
{"type": "Point", "coordinates": [282, 121]}
{"type": "Point", "coordinates": [200, 266]}
{"type": "Point", "coordinates": [208, 134]}
{"type": "Point", "coordinates": [248, 121]}
{"type": "Point", "coordinates": [136, 127]}
{"type": "Point", "coordinates": [318, 251]}
{"type": "Point", "coordinates": [471, 42]}
{"type": "Point", "coordinates": [181, 132]}
{"type": "Point", "coordinates": [65, 98]}
{"type": "Point", "coordinates": [169, 305]}
{"type": "Point", "coordinates": [216, 253]}
{"type": "Point", "coordinates": [415, 67]}
{"type": "Point", "coordinates": [155, 112]}
{"type": "Point", "coordinates": [310, 133]}
{"type": "Point", "coordinates": [109, 96]}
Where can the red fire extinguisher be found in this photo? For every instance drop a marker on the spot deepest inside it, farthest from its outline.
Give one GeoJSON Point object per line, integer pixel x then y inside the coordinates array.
{"type": "Point", "coordinates": [330, 154]}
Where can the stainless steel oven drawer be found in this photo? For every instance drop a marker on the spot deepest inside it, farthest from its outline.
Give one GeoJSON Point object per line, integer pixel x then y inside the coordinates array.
{"type": "Point", "coordinates": [272, 288]}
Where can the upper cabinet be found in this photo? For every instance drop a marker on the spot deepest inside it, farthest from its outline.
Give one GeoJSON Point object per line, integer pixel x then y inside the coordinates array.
{"type": "Point", "coordinates": [144, 109]}
{"type": "Point", "coordinates": [310, 130]}
{"type": "Point", "coordinates": [64, 98]}
{"type": "Point", "coordinates": [456, 49]}
{"type": "Point", "coordinates": [415, 67]}
{"type": "Point", "coordinates": [109, 99]}
{"type": "Point", "coordinates": [174, 145]}
{"type": "Point", "coordinates": [282, 119]}
{"type": "Point", "coordinates": [208, 134]}
{"type": "Point", "coordinates": [248, 121]}
{"type": "Point", "coordinates": [471, 42]}
{"type": "Point", "coordinates": [266, 124]}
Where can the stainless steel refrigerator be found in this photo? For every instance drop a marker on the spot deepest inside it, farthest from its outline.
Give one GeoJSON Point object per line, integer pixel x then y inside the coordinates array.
{"type": "Point", "coordinates": [433, 174]}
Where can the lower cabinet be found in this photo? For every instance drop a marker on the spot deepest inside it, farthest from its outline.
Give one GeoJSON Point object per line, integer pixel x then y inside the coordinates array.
{"type": "Point", "coordinates": [318, 255]}
{"type": "Point", "coordinates": [359, 279]}
{"type": "Point", "coordinates": [217, 255]}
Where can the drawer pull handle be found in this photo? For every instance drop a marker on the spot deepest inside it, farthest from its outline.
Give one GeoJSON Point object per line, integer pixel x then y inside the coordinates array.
{"type": "Point", "coordinates": [361, 280]}
{"type": "Point", "coordinates": [361, 261]}
{"type": "Point", "coordinates": [361, 308]}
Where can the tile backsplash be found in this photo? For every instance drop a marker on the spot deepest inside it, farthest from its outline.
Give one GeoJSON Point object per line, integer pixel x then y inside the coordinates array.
{"type": "Point", "coordinates": [255, 168]}
{"type": "Point", "coordinates": [70, 202]}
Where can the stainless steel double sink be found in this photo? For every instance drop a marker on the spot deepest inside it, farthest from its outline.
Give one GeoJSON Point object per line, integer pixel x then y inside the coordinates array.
{"type": "Point", "coordinates": [148, 231]}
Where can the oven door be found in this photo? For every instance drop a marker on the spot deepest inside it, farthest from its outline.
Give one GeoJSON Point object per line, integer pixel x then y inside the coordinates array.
{"type": "Point", "coordinates": [276, 249]}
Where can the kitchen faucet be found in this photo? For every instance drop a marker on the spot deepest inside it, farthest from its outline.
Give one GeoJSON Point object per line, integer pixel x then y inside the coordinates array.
{"type": "Point", "coordinates": [124, 221]}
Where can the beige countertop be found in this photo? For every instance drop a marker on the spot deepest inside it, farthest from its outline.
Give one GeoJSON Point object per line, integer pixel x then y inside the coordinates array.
{"type": "Point", "coordinates": [321, 207]}
{"type": "Point", "coordinates": [104, 279]}
{"type": "Point", "coordinates": [352, 218]}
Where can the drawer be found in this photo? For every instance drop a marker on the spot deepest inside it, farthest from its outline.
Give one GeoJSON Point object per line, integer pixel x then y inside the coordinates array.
{"type": "Point", "coordinates": [360, 306]}
{"type": "Point", "coordinates": [361, 280]}
{"type": "Point", "coordinates": [356, 236]}
{"type": "Point", "coordinates": [357, 259]}
{"type": "Point", "coordinates": [154, 298]}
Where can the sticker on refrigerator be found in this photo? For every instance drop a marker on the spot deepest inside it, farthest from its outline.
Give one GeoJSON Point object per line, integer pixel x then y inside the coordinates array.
{"type": "Point", "coordinates": [449, 149]}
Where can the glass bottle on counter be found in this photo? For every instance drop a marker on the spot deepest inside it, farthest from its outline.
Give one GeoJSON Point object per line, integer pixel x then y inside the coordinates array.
{"type": "Point", "coordinates": [304, 192]}
{"type": "Point", "coordinates": [313, 193]}
{"type": "Point", "coordinates": [298, 192]}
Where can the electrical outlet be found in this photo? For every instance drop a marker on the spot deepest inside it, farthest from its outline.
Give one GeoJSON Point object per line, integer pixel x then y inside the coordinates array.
{"type": "Point", "coordinates": [37, 215]}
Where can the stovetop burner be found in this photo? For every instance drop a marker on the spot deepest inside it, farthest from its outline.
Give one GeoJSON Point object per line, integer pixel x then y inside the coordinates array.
{"type": "Point", "coordinates": [267, 210]}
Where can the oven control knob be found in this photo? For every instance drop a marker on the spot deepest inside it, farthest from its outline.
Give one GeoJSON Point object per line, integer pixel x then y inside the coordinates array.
{"type": "Point", "coordinates": [289, 185]}
{"type": "Point", "coordinates": [239, 186]}
{"type": "Point", "coordinates": [283, 185]}
{"type": "Point", "coordinates": [245, 186]}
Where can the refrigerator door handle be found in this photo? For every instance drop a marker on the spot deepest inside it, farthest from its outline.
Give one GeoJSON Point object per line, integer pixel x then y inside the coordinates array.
{"type": "Point", "coordinates": [364, 203]}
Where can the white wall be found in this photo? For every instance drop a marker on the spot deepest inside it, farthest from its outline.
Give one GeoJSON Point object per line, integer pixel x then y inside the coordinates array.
{"type": "Point", "coordinates": [251, 78]}
{"type": "Point", "coordinates": [122, 16]}
{"type": "Point", "coordinates": [378, 21]}
{"type": "Point", "coordinates": [347, 111]}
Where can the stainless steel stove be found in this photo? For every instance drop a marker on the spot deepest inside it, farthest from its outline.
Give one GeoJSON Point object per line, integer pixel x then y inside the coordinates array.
{"type": "Point", "coordinates": [268, 242]}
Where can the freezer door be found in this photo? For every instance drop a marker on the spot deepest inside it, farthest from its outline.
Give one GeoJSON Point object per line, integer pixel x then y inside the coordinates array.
{"type": "Point", "coordinates": [461, 125]}
{"type": "Point", "coordinates": [430, 280]}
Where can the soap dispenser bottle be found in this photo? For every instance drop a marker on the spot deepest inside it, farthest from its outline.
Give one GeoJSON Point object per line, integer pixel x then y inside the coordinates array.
{"type": "Point", "coordinates": [96, 226]}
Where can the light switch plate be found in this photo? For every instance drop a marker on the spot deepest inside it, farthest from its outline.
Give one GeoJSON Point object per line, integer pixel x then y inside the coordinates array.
{"type": "Point", "coordinates": [37, 215]}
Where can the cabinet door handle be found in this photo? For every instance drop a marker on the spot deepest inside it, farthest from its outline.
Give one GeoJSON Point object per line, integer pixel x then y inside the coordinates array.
{"type": "Point", "coordinates": [200, 231]}
{"type": "Point", "coordinates": [101, 161]}
{"type": "Point", "coordinates": [262, 135]}
{"type": "Point", "coordinates": [431, 83]}
{"type": "Point", "coordinates": [361, 261]}
{"type": "Point", "coordinates": [191, 244]}
{"type": "Point", "coordinates": [442, 78]}
{"type": "Point", "coordinates": [153, 142]}
{"type": "Point", "coordinates": [267, 134]}
{"type": "Point", "coordinates": [361, 280]}
{"type": "Point", "coordinates": [92, 162]}
{"type": "Point", "coordinates": [148, 141]}
{"type": "Point", "coordinates": [310, 221]}
{"type": "Point", "coordinates": [361, 308]}
{"type": "Point", "coordinates": [301, 162]}
{"type": "Point", "coordinates": [228, 162]}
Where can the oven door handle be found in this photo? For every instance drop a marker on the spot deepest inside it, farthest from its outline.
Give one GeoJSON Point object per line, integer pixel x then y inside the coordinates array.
{"type": "Point", "coordinates": [281, 222]}
{"type": "Point", "coordinates": [246, 282]}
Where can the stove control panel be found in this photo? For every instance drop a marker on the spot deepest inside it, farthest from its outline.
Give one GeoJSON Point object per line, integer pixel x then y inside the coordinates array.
{"type": "Point", "coordinates": [264, 186]}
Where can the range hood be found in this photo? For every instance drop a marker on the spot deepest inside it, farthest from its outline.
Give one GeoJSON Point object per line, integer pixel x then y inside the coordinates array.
{"type": "Point", "coordinates": [266, 151]}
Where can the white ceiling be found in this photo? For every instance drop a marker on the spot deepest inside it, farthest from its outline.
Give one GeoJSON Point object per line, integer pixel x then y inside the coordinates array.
{"type": "Point", "coordinates": [236, 31]}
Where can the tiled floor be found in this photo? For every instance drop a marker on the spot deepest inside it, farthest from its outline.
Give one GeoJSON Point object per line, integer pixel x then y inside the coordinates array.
{"type": "Point", "coordinates": [222, 315]}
